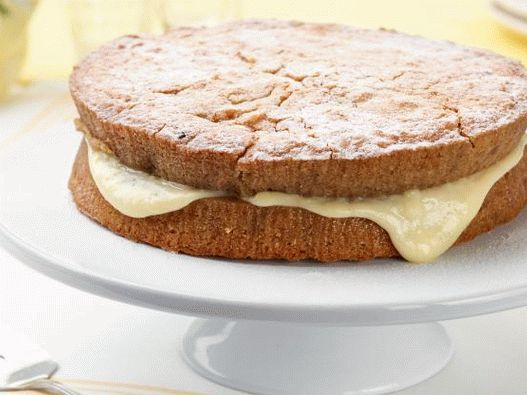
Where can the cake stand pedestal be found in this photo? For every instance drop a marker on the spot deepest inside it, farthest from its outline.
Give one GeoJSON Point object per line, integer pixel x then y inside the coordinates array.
{"type": "Point", "coordinates": [265, 327]}
{"type": "Point", "coordinates": [278, 358]}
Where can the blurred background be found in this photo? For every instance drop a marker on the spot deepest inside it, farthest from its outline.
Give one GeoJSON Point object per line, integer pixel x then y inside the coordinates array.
{"type": "Point", "coordinates": [43, 39]}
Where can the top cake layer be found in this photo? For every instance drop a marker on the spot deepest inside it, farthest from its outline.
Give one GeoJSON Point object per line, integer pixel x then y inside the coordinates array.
{"type": "Point", "coordinates": [324, 110]}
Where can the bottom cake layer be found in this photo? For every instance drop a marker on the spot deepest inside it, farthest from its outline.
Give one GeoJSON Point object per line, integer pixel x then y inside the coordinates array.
{"type": "Point", "coordinates": [229, 227]}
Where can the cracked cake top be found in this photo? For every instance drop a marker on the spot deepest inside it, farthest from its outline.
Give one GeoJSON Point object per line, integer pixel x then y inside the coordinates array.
{"type": "Point", "coordinates": [315, 109]}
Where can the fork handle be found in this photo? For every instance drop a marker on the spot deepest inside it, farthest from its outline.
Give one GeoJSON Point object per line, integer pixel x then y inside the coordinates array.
{"type": "Point", "coordinates": [50, 386]}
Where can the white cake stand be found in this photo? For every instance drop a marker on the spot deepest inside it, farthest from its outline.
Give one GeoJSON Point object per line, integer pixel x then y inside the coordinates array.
{"type": "Point", "coordinates": [266, 327]}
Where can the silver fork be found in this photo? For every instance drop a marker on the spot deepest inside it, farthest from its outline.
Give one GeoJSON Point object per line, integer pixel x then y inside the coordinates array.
{"type": "Point", "coordinates": [25, 366]}
{"type": "Point", "coordinates": [43, 384]}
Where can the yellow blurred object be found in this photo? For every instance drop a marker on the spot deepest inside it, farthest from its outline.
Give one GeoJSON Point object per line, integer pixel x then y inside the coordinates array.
{"type": "Point", "coordinates": [467, 22]}
{"type": "Point", "coordinates": [95, 22]}
{"type": "Point", "coordinates": [203, 12]}
{"type": "Point", "coordinates": [14, 18]}
{"type": "Point", "coordinates": [51, 53]}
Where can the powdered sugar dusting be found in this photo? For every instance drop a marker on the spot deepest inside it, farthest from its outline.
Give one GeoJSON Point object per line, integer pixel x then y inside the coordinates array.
{"type": "Point", "coordinates": [335, 90]}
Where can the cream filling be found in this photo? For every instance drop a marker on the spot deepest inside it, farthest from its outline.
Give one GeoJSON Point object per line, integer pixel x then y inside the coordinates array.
{"type": "Point", "coordinates": [422, 224]}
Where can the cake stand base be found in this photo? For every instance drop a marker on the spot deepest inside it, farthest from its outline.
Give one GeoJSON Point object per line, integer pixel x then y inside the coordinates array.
{"type": "Point", "coordinates": [280, 358]}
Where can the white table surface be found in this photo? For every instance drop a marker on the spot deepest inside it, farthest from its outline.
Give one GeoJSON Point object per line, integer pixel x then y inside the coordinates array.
{"type": "Point", "coordinates": [106, 347]}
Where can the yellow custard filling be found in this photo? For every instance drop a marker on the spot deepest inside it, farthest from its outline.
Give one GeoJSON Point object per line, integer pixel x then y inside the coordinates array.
{"type": "Point", "coordinates": [422, 224]}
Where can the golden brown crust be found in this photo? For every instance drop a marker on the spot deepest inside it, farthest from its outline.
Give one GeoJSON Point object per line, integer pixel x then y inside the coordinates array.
{"type": "Point", "coordinates": [303, 108]}
{"type": "Point", "coordinates": [232, 228]}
